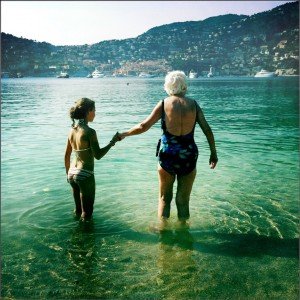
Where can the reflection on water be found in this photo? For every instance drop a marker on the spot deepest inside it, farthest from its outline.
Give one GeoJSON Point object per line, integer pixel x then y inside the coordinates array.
{"type": "Point", "coordinates": [82, 260]}
{"type": "Point", "coordinates": [176, 262]}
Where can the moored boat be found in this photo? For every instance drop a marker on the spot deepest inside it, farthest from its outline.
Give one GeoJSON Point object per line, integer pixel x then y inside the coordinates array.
{"type": "Point", "coordinates": [193, 74]}
{"type": "Point", "coordinates": [118, 75]}
{"type": "Point", "coordinates": [63, 75]}
{"type": "Point", "coordinates": [265, 73]}
{"type": "Point", "coordinates": [146, 75]}
{"type": "Point", "coordinates": [5, 75]}
{"type": "Point", "coordinates": [97, 74]}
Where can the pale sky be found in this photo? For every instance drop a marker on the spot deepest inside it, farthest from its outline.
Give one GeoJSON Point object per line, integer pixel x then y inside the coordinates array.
{"type": "Point", "coordinates": [89, 22]}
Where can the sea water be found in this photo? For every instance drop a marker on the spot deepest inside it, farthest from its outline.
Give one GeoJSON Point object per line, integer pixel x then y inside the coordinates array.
{"type": "Point", "coordinates": [242, 240]}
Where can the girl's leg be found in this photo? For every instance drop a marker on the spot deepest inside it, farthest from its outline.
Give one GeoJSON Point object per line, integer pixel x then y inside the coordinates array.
{"type": "Point", "coordinates": [76, 196]}
{"type": "Point", "coordinates": [87, 195]}
{"type": "Point", "coordinates": [166, 182]}
{"type": "Point", "coordinates": [184, 188]}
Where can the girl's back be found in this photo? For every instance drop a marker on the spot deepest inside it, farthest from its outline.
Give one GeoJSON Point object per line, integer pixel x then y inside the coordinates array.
{"type": "Point", "coordinates": [80, 141]}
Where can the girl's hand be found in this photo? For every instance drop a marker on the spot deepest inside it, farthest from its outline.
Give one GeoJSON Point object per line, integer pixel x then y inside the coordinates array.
{"type": "Point", "coordinates": [115, 138]}
{"type": "Point", "coordinates": [119, 136]}
{"type": "Point", "coordinates": [122, 136]}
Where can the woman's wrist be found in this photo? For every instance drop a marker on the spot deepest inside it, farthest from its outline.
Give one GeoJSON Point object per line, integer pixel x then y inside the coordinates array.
{"type": "Point", "coordinates": [214, 156]}
{"type": "Point", "coordinates": [122, 135]}
{"type": "Point", "coordinates": [213, 152]}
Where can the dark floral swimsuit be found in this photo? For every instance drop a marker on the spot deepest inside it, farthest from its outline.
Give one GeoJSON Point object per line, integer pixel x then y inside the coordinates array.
{"type": "Point", "coordinates": [177, 154]}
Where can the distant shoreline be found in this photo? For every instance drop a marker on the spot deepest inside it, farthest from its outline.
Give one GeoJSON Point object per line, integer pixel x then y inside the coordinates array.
{"type": "Point", "coordinates": [156, 77]}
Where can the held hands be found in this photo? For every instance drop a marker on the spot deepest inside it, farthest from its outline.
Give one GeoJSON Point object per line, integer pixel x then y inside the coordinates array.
{"type": "Point", "coordinates": [213, 160]}
{"type": "Point", "coordinates": [115, 138]}
{"type": "Point", "coordinates": [122, 136]}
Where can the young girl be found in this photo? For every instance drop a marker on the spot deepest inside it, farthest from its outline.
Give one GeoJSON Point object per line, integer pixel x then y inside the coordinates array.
{"type": "Point", "coordinates": [83, 141]}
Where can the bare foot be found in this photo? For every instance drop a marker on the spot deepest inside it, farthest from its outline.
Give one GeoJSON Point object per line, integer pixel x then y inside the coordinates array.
{"type": "Point", "coordinates": [85, 218]}
{"type": "Point", "coordinates": [182, 224]}
{"type": "Point", "coordinates": [161, 226]}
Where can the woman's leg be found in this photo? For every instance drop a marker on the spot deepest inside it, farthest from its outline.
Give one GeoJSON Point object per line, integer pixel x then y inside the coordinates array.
{"type": "Point", "coordinates": [87, 196]}
{"type": "Point", "coordinates": [166, 181]}
{"type": "Point", "coordinates": [184, 188]}
{"type": "Point", "coordinates": [76, 196]}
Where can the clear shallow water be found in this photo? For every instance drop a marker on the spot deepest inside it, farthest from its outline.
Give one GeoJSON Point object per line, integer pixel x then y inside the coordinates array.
{"type": "Point", "coordinates": [243, 237]}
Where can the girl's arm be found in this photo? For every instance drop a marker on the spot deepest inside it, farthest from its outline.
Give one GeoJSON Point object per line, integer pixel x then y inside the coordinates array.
{"type": "Point", "coordinates": [68, 156]}
{"type": "Point", "coordinates": [97, 151]}
{"type": "Point", "coordinates": [146, 124]}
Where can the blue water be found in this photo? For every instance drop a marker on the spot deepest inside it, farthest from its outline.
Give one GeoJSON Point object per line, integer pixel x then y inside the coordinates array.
{"type": "Point", "coordinates": [242, 242]}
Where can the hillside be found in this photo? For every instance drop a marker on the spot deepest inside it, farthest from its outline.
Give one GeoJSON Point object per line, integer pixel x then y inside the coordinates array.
{"type": "Point", "coordinates": [231, 44]}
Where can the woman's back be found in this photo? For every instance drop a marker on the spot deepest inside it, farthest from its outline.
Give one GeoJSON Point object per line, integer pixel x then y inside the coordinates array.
{"type": "Point", "coordinates": [180, 115]}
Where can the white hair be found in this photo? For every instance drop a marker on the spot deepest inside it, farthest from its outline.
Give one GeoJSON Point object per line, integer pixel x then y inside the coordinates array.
{"type": "Point", "coordinates": [175, 83]}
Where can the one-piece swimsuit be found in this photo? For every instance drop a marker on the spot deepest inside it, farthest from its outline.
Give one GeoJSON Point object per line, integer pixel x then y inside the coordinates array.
{"type": "Point", "coordinates": [177, 154]}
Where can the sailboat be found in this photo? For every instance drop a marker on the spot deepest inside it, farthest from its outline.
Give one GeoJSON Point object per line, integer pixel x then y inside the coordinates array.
{"type": "Point", "coordinates": [210, 73]}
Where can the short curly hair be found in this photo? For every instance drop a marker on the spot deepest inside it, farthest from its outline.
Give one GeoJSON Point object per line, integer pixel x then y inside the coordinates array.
{"type": "Point", "coordinates": [175, 83]}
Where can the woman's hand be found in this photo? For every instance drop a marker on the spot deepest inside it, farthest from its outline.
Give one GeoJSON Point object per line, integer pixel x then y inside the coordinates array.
{"type": "Point", "coordinates": [213, 160]}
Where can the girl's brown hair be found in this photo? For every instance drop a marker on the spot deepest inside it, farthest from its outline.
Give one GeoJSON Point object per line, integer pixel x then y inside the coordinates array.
{"type": "Point", "coordinates": [82, 107]}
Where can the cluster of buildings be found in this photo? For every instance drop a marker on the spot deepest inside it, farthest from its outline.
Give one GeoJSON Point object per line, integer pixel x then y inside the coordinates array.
{"type": "Point", "coordinates": [231, 44]}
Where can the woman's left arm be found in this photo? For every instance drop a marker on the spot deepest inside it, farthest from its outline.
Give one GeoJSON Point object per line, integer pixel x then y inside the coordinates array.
{"type": "Point", "coordinates": [209, 136]}
{"type": "Point", "coordinates": [146, 124]}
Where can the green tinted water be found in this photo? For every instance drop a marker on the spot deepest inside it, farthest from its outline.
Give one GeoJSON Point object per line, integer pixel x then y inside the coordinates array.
{"type": "Point", "coordinates": [243, 237]}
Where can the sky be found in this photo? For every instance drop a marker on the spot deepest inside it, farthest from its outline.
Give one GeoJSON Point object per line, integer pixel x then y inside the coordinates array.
{"type": "Point", "coordinates": [89, 22]}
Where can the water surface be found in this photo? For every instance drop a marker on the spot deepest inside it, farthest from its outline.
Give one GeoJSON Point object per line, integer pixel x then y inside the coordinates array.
{"type": "Point", "coordinates": [242, 242]}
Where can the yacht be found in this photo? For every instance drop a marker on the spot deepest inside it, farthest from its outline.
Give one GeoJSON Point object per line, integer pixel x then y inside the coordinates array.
{"type": "Point", "coordinates": [118, 75]}
{"type": "Point", "coordinates": [63, 75]}
{"type": "Point", "coordinates": [210, 73]}
{"type": "Point", "coordinates": [4, 74]}
{"type": "Point", "coordinates": [97, 74]}
{"type": "Point", "coordinates": [193, 74]}
{"type": "Point", "coordinates": [264, 73]}
{"type": "Point", "coordinates": [145, 75]}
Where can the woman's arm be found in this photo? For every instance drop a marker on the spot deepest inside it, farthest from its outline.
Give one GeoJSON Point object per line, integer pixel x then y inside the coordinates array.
{"type": "Point", "coordinates": [68, 156]}
{"type": "Point", "coordinates": [146, 124]}
{"type": "Point", "coordinates": [97, 151]}
{"type": "Point", "coordinates": [209, 135]}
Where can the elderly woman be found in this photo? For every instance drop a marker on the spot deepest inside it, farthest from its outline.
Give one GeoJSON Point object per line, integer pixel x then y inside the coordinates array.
{"type": "Point", "coordinates": [177, 152]}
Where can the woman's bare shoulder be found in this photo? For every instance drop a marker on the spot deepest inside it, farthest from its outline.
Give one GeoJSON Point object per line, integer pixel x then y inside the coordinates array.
{"type": "Point", "coordinates": [189, 99]}
{"type": "Point", "coordinates": [194, 102]}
